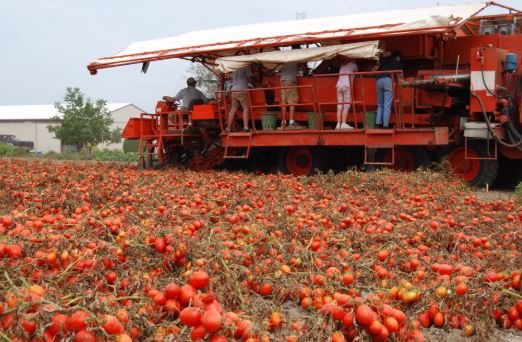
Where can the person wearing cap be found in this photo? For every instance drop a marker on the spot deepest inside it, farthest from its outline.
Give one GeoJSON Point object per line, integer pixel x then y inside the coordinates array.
{"type": "Point", "coordinates": [188, 96]}
{"type": "Point", "coordinates": [384, 87]}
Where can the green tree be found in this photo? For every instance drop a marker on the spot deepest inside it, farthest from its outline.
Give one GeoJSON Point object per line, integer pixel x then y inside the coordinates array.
{"type": "Point", "coordinates": [81, 122]}
{"type": "Point", "coordinates": [207, 81]}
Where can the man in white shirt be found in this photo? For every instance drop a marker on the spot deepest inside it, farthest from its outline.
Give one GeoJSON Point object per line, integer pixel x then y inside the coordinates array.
{"type": "Point", "coordinates": [188, 95]}
{"type": "Point", "coordinates": [344, 93]}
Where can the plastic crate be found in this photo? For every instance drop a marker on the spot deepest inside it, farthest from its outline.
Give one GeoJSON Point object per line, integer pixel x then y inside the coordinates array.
{"type": "Point", "coordinates": [312, 124]}
{"type": "Point", "coordinates": [370, 119]}
{"type": "Point", "coordinates": [269, 121]}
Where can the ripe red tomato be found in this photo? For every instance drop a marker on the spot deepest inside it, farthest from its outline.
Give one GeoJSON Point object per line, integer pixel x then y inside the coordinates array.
{"type": "Point", "coordinates": [211, 320]}
{"type": "Point", "coordinates": [27, 324]}
{"type": "Point", "coordinates": [198, 333]}
{"type": "Point", "coordinates": [159, 244]}
{"type": "Point", "coordinates": [391, 324]}
{"type": "Point", "coordinates": [58, 322]}
{"type": "Point", "coordinates": [172, 306]}
{"type": "Point", "coordinates": [338, 337]}
{"type": "Point", "coordinates": [77, 321]}
{"type": "Point", "coordinates": [513, 313]}
{"type": "Point", "coordinates": [243, 329]}
{"type": "Point", "coordinates": [375, 328]}
{"type": "Point", "coordinates": [84, 336]}
{"type": "Point", "coordinates": [199, 279]}
{"type": "Point", "coordinates": [160, 299]}
{"type": "Point", "coordinates": [383, 254]}
{"type": "Point", "coordinates": [461, 289]}
{"type": "Point", "coordinates": [424, 320]}
{"type": "Point", "coordinates": [190, 316]}
{"type": "Point", "coordinates": [7, 221]}
{"type": "Point", "coordinates": [111, 277]}
{"type": "Point", "coordinates": [438, 319]}
{"type": "Point", "coordinates": [172, 291]}
{"type": "Point", "coordinates": [112, 325]}
{"type": "Point", "coordinates": [123, 315]}
{"type": "Point", "coordinates": [348, 320]}
{"type": "Point", "coordinates": [186, 293]}
{"type": "Point", "coordinates": [14, 251]}
{"type": "Point", "coordinates": [265, 289]}
{"type": "Point", "coordinates": [364, 315]}
{"type": "Point", "coordinates": [348, 279]}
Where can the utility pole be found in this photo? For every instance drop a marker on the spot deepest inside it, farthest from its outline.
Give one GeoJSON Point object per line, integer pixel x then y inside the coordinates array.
{"type": "Point", "coordinates": [300, 15]}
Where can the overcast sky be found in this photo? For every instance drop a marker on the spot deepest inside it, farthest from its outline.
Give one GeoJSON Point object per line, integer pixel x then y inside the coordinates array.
{"type": "Point", "coordinates": [47, 44]}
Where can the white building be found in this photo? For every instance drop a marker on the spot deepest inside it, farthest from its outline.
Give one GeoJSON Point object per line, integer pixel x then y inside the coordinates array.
{"type": "Point", "coordinates": [29, 123]}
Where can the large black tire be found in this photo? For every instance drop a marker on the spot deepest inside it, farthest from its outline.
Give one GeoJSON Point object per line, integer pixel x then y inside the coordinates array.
{"type": "Point", "coordinates": [263, 160]}
{"type": "Point", "coordinates": [302, 160]}
{"type": "Point", "coordinates": [509, 173]}
{"type": "Point", "coordinates": [407, 158]}
{"type": "Point", "coordinates": [476, 172]}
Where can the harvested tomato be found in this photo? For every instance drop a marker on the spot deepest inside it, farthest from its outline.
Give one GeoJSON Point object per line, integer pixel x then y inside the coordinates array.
{"type": "Point", "coordinates": [211, 320]}
{"type": "Point", "coordinates": [190, 316]}
{"type": "Point", "coordinates": [199, 279]}
{"type": "Point", "coordinates": [112, 325]}
{"type": "Point", "coordinates": [364, 315]}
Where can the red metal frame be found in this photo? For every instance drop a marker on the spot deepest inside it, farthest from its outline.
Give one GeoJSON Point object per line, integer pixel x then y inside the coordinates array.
{"type": "Point", "coordinates": [410, 107]}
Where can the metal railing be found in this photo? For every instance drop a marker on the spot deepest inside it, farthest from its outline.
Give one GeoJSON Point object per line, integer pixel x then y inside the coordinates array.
{"type": "Point", "coordinates": [395, 74]}
{"type": "Point", "coordinates": [316, 104]}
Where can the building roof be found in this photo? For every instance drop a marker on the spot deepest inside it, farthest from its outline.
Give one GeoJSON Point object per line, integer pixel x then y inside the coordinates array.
{"type": "Point", "coordinates": [220, 42]}
{"type": "Point", "coordinates": [42, 112]}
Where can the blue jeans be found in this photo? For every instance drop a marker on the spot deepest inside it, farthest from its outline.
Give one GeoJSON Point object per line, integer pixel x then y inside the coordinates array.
{"type": "Point", "coordinates": [384, 101]}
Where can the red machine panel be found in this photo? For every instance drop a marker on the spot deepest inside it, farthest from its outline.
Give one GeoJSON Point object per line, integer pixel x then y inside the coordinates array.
{"type": "Point", "coordinates": [204, 112]}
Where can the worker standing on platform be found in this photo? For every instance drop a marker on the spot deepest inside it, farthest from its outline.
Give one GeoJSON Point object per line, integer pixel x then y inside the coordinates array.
{"type": "Point", "coordinates": [239, 96]}
{"type": "Point", "coordinates": [344, 93]}
{"type": "Point", "coordinates": [384, 87]}
{"type": "Point", "coordinates": [289, 93]}
{"type": "Point", "coordinates": [188, 96]}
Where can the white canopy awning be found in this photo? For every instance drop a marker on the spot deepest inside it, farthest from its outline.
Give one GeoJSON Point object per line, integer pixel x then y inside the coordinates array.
{"type": "Point", "coordinates": [220, 42]}
{"type": "Point", "coordinates": [366, 50]}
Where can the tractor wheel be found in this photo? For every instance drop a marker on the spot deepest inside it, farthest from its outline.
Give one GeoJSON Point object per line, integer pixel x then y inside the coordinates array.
{"type": "Point", "coordinates": [476, 172]}
{"type": "Point", "coordinates": [263, 160]}
{"type": "Point", "coordinates": [300, 160]}
{"type": "Point", "coordinates": [406, 158]}
{"type": "Point", "coordinates": [509, 172]}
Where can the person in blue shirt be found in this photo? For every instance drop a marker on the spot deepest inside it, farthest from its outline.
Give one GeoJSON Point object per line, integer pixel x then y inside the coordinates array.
{"type": "Point", "coordinates": [384, 87]}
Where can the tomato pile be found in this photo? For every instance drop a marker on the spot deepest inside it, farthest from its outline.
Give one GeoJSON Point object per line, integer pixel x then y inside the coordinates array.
{"type": "Point", "coordinates": [103, 252]}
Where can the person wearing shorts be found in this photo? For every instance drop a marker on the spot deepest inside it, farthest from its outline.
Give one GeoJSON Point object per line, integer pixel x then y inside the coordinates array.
{"type": "Point", "coordinates": [344, 94]}
{"type": "Point", "coordinates": [289, 94]}
{"type": "Point", "coordinates": [239, 96]}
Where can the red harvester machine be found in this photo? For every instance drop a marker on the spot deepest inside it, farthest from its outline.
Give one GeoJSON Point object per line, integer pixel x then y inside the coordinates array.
{"type": "Point", "coordinates": [458, 97]}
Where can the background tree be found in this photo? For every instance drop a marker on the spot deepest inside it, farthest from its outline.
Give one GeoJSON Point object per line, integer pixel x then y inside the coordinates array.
{"type": "Point", "coordinates": [207, 81]}
{"type": "Point", "coordinates": [83, 123]}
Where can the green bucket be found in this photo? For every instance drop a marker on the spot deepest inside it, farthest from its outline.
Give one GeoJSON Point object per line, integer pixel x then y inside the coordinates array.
{"type": "Point", "coordinates": [269, 121]}
{"type": "Point", "coordinates": [370, 119]}
{"type": "Point", "coordinates": [312, 122]}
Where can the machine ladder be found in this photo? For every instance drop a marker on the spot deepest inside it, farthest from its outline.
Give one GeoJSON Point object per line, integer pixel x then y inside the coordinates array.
{"type": "Point", "coordinates": [242, 136]}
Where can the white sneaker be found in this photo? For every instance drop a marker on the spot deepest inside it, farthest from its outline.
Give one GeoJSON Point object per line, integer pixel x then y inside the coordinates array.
{"type": "Point", "coordinates": [346, 126]}
{"type": "Point", "coordinates": [338, 126]}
